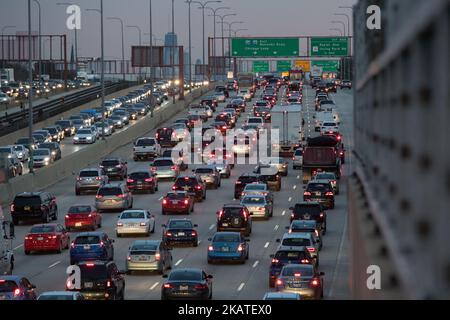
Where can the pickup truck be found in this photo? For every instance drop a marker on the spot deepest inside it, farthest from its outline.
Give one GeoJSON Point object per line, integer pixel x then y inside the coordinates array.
{"type": "Point", "coordinates": [200, 110]}
{"type": "Point", "coordinates": [146, 148]}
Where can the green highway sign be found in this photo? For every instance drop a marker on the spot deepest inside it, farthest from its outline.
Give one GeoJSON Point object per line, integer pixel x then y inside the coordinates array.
{"type": "Point", "coordinates": [327, 65]}
{"type": "Point", "coordinates": [283, 66]}
{"type": "Point", "coordinates": [329, 47]}
{"type": "Point", "coordinates": [265, 47]}
{"type": "Point", "coordinates": [260, 66]}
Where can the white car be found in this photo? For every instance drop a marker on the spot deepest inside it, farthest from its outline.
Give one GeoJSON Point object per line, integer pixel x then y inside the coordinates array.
{"type": "Point", "coordinates": [329, 127]}
{"type": "Point", "coordinates": [220, 96]}
{"type": "Point", "coordinates": [180, 130]}
{"type": "Point", "coordinates": [9, 151]}
{"type": "Point", "coordinates": [297, 159]}
{"type": "Point", "coordinates": [209, 112]}
{"type": "Point", "coordinates": [22, 153]}
{"type": "Point", "coordinates": [135, 222]}
{"type": "Point", "coordinates": [4, 99]}
{"type": "Point", "coordinates": [146, 147]}
{"type": "Point", "coordinates": [246, 94]}
{"type": "Point", "coordinates": [84, 136]}
{"type": "Point", "coordinates": [199, 110]}
{"type": "Point", "coordinates": [255, 121]}
{"type": "Point", "coordinates": [255, 189]}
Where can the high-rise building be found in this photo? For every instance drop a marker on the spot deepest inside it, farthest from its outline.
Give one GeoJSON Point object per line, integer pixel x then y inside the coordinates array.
{"type": "Point", "coordinates": [170, 42]}
{"type": "Point", "coordinates": [399, 195]}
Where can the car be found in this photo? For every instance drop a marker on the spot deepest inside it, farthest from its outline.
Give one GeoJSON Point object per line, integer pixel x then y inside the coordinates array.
{"type": "Point", "coordinates": [297, 159]}
{"type": "Point", "coordinates": [221, 126]}
{"type": "Point", "coordinates": [39, 138]}
{"type": "Point", "coordinates": [257, 189]}
{"type": "Point", "coordinates": [222, 166]}
{"type": "Point", "coordinates": [177, 156]}
{"type": "Point", "coordinates": [307, 226]}
{"type": "Point", "coordinates": [115, 167]}
{"type": "Point", "coordinates": [61, 296]}
{"type": "Point", "coordinates": [209, 175]}
{"type": "Point", "coordinates": [303, 279]}
{"type": "Point", "coordinates": [235, 218]}
{"type": "Point", "coordinates": [113, 197]}
{"type": "Point", "coordinates": [142, 181]}
{"type": "Point", "coordinates": [67, 126]}
{"type": "Point", "coordinates": [144, 148]}
{"type": "Point", "coordinates": [220, 96]}
{"type": "Point", "coordinates": [85, 135]}
{"type": "Point", "coordinates": [103, 127]}
{"type": "Point", "coordinates": [165, 168]}
{"type": "Point", "coordinates": [166, 137]}
{"type": "Point", "coordinates": [320, 191]}
{"type": "Point", "coordinates": [285, 256]}
{"type": "Point", "coordinates": [269, 174]}
{"type": "Point", "coordinates": [22, 152]}
{"type": "Point", "coordinates": [135, 221]}
{"type": "Point", "coordinates": [331, 177]}
{"type": "Point", "coordinates": [194, 186]}
{"type": "Point", "coordinates": [242, 181]}
{"type": "Point", "coordinates": [56, 134]}
{"type": "Point", "coordinates": [148, 255]}
{"type": "Point", "coordinates": [16, 288]}
{"type": "Point", "coordinates": [91, 246]}
{"type": "Point", "coordinates": [42, 158]}
{"type": "Point", "coordinates": [281, 164]}
{"type": "Point", "coordinates": [34, 205]}
{"type": "Point", "coordinates": [281, 296]}
{"type": "Point", "coordinates": [258, 206]}
{"type": "Point", "coordinates": [259, 121]}
{"type": "Point", "coordinates": [195, 120]}
{"type": "Point", "coordinates": [48, 137]}
{"type": "Point", "coordinates": [117, 121]}
{"type": "Point", "coordinates": [4, 98]}
{"type": "Point", "coordinates": [124, 115]}
{"type": "Point", "coordinates": [302, 239]}
{"type": "Point", "coordinates": [100, 280]}
{"type": "Point", "coordinates": [16, 164]}
{"type": "Point", "coordinates": [180, 232]}
{"type": "Point", "coordinates": [227, 246]}
{"type": "Point", "coordinates": [262, 112]}
{"type": "Point", "coordinates": [46, 237]}
{"type": "Point", "coordinates": [181, 131]}
{"type": "Point", "coordinates": [187, 283]}
{"type": "Point", "coordinates": [346, 84]}
{"type": "Point", "coordinates": [177, 202]}
{"type": "Point", "coordinates": [243, 146]}
{"type": "Point", "coordinates": [329, 127]}
{"type": "Point", "coordinates": [225, 117]}
{"type": "Point", "coordinates": [310, 211]}
{"type": "Point", "coordinates": [82, 217]}
{"type": "Point", "coordinates": [90, 179]}
{"type": "Point", "coordinates": [55, 149]}
{"type": "Point", "coordinates": [27, 143]}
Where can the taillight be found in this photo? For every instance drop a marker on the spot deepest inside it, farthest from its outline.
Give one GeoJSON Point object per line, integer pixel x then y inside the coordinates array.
{"type": "Point", "coordinates": [28, 238]}
{"type": "Point", "coordinates": [306, 193]}
{"type": "Point", "coordinates": [17, 292]}
{"type": "Point", "coordinates": [142, 224]}
{"type": "Point", "coordinates": [164, 201]}
{"type": "Point", "coordinates": [72, 245]}
{"type": "Point", "coordinates": [78, 179]}
{"type": "Point", "coordinates": [198, 187]}
{"type": "Point", "coordinates": [12, 208]}
{"type": "Point", "coordinates": [102, 244]}
{"type": "Point", "coordinates": [130, 180]}
{"type": "Point", "coordinates": [98, 196]}
{"type": "Point", "coordinates": [173, 168]}
{"type": "Point", "coordinates": [316, 232]}
{"type": "Point", "coordinates": [67, 216]}
{"type": "Point", "coordinates": [210, 248]}
{"type": "Point", "coordinates": [329, 194]}
{"type": "Point", "coordinates": [240, 248]}
{"type": "Point", "coordinates": [153, 168]}
{"type": "Point", "coordinates": [275, 260]}
{"type": "Point", "coordinates": [108, 284]}
{"type": "Point", "coordinates": [52, 237]}
{"type": "Point", "coordinates": [200, 286]}
{"type": "Point", "coordinates": [321, 215]}
{"type": "Point", "coordinates": [168, 234]}
{"type": "Point", "coordinates": [158, 257]}
{"type": "Point", "coordinates": [194, 234]}
{"type": "Point", "coordinates": [310, 249]}
{"type": "Point", "coordinates": [119, 224]}
{"type": "Point", "coordinates": [119, 166]}
{"type": "Point", "coordinates": [305, 261]}
{"type": "Point", "coordinates": [98, 178]}
{"type": "Point", "coordinates": [129, 258]}
{"type": "Point", "coordinates": [280, 282]}
{"type": "Point", "coordinates": [167, 286]}
{"type": "Point", "coordinates": [148, 180]}
{"type": "Point", "coordinates": [186, 201]}
{"type": "Point", "coordinates": [315, 282]}
{"type": "Point", "coordinates": [121, 196]}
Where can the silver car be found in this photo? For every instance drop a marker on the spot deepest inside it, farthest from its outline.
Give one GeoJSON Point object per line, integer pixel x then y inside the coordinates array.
{"type": "Point", "coordinates": [302, 279]}
{"type": "Point", "coordinates": [165, 168]}
{"type": "Point", "coordinates": [22, 153]}
{"type": "Point", "coordinates": [148, 255]}
{"type": "Point", "coordinates": [209, 175]}
{"type": "Point", "coordinates": [223, 167]}
{"type": "Point", "coordinates": [281, 164]}
{"type": "Point", "coordinates": [257, 189]}
{"type": "Point", "coordinates": [258, 206]}
{"type": "Point", "coordinates": [135, 222]}
{"type": "Point", "coordinates": [302, 239]}
{"type": "Point", "coordinates": [297, 159]}
{"type": "Point", "coordinates": [42, 158]}
{"type": "Point", "coordinates": [90, 179]}
{"type": "Point", "coordinates": [113, 197]}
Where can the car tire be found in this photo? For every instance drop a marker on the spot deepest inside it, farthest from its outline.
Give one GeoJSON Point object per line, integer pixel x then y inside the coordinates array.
{"type": "Point", "coordinates": [210, 261]}
{"type": "Point", "coordinates": [153, 228]}
{"type": "Point", "coordinates": [59, 250]}
{"type": "Point", "coordinates": [27, 252]}
{"type": "Point", "coordinates": [77, 192]}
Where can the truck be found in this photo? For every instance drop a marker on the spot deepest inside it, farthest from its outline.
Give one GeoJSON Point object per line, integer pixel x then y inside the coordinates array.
{"type": "Point", "coordinates": [288, 120]}
{"type": "Point", "coordinates": [6, 76]}
{"type": "Point", "coordinates": [245, 80]}
{"type": "Point", "coordinates": [321, 154]}
{"type": "Point", "coordinates": [6, 251]}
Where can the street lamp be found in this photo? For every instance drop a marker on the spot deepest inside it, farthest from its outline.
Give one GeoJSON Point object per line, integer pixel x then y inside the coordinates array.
{"type": "Point", "coordinates": [76, 36]}
{"type": "Point", "coordinates": [151, 43]}
{"type": "Point", "coordinates": [237, 31]}
{"type": "Point", "coordinates": [40, 47]}
{"type": "Point", "coordinates": [223, 40]}
{"type": "Point", "coordinates": [341, 23]}
{"type": "Point", "coordinates": [214, 23]}
{"type": "Point", "coordinates": [123, 46]}
{"type": "Point", "coordinates": [30, 92]}
{"type": "Point", "coordinates": [338, 30]}
{"type": "Point", "coordinates": [3, 33]}
{"type": "Point", "coordinates": [343, 60]}
{"type": "Point", "coordinates": [140, 44]}
{"type": "Point", "coordinates": [348, 21]}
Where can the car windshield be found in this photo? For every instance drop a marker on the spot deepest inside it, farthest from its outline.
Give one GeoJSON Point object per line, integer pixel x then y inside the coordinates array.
{"type": "Point", "coordinates": [77, 121]}
{"type": "Point", "coordinates": [84, 131]}
{"type": "Point", "coordinates": [163, 163]}
{"type": "Point", "coordinates": [182, 182]}
{"type": "Point", "coordinates": [110, 163]}
{"type": "Point", "coordinates": [299, 270]}
{"type": "Point", "coordinates": [139, 175]}
{"type": "Point", "coordinates": [87, 240]}
{"type": "Point", "coordinates": [7, 286]}
{"type": "Point", "coordinates": [176, 196]}
{"type": "Point", "coordinates": [180, 224]}
{"type": "Point", "coordinates": [56, 297]}
{"type": "Point", "coordinates": [185, 275]}
{"type": "Point", "coordinates": [253, 200]}
{"type": "Point", "coordinates": [318, 187]}
{"type": "Point", "coordinates": [47, 146]}
{"type": "Point", "coordinates": [93, 272]}
{"type": "Point", "coordinates": [80, 209]}
{"type": "Point", "coordinates": [145, 142]}
{"type": "Point", "coordinates": [42, 229]}
{"type": "Point", "coordinates": [290, 255]}
{"type": "Point", "coordinates": [325, 176]}
{"type": "Point", "coordinates": [307, 209]}
{"type": "Point", "coordinates": [296, 242]}
{"type": "Point", "coordinates": [254, 120]}
{"type": "Point", "coordinates": [109, 191]}
{"type": "Point", "coordinates": [41, 152]}
{"type": "Point", "coordinates": [133, 215]}
{"type": "Point", "coordinates": [226, 238]}
{"type": "Point", "coordinates": [234, 212]}
{"type": "Point", "coordinates": [204, 171]}
{"type": "Point", "coordinates": [27, 201]}
{"type": "Point", "coordinates": [255, 187]}
{"type": "Point", "coordinates": [298, 152]}
{"type": "Point", "coordinates": [178, 126]}
{"type": "Point", "coordinates": [148, 248]}
{"type": "Point", "coordinates": [88, 174]}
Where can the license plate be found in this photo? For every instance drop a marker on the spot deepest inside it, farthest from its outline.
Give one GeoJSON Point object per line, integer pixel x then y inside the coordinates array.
{"type": "Point", "coordinates": [318, 194]}
{"type": "Point", "coordinates": [224, 224]}
{"type": "Point", "coordinates": [175, 202]}
{"type": "Point", "coordinates": [109, 169]}
{"type": "Point", "coordinates": [88, 284]}
{"type": "Point", "coordinates": [236, 221]}
{"type": "Point", "coordinates": [40, 238]}
{"type": "Point", "coordinates": [143, 258]}
{"type": "Point", "coordinates": [184, 288]}
{"type": "Point", "coordinates": [78, 224]}
{"type": "Point", "coordinates": [181, 234]}
{"type": "Point", "coordinates": [225, 249]}
{"type": "Point", "coordinates": [27, 208]}
{"type": "Point", "coordinates": [86, 247]}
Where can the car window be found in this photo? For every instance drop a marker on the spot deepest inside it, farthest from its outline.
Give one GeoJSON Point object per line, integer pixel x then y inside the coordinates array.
{"type": "Point", "coordinates": [234, 212]}
{"type": "Point", "coordinates": [226, 238]}
{"type": "Point", "coordinates": [89, 174]}
{"type": "Point", "coordinates": [87, 240]}
{"type": "Point", "coordinates": [93, 272]}
{"type": "Point", "coordinates": [318, 187]}
{"type": "Point", "coordinates": [302, 270]}
{"type": "Point", "coordinates": [176, 196]}
{"type": "Point", "coordinates": [110, 163]}
{"type": "Point", "coordinates": [145, 142]}
{"type": "Point", "coordinates": [7, 286]}
{"type": "Point", "coordinates": [290, 255]}
{"type": "Point", "coordinates": [184, 275]}
{"type": "Point", "coordinates": [42, 229]}
{"type": "Point", "coordinates": [180, 225]}
{"type": "Point", "coordinates": [296, 242]}
{"type": "Point", "coordinates": [163, 163]}
{"type": "Point", "coordinates": [139, 175]}
{"type": "Point", "coordinates": [80, 209]}
{"type": "Point", "coordinates": [204, 170]}
{"type": "Point", "coordinates": [27, 201]}
{"type": "Point", "coordinates": [253, 200]}
{"type": "Point", "coordinates": [310, 209]}
{"type": "Point", "coordinates": [133, 215]}
{"type": "Point", "coordinates": [110, 191]}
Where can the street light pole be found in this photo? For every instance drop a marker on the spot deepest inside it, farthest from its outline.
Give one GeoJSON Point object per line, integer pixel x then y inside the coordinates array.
{"type": "Point", "coordinates": [30, 92]}
{"type": "Point", "coordinates": [189, 2]}
{"type": "Point", "coordinates": [223, 40]}
{"type": "Point", "coordinates": [40, 47]}
{"type": "Point", "coordinates": [344, 62]}
{"type": "Point", "coordinates": [123, 45]}
{"type": "Point", "coordinates": [172, 52]}
{"type": "Point", "coordinates": [140, 44]}
{"type": "Point", "coordinates": [151, 43]}
{"type": "Point", "coordinates": [238, 30]}
{"type": "Point", "coordinates": [338, 30]}
{"type": "Point", "coordinates": [214, 39]}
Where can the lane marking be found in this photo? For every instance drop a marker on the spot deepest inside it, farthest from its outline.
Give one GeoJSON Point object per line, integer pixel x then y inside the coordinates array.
{"type": "Point", "coordinates": [154, 286]}
{"type": "Point", "coordinates": [266, 245]}
{"type": "Point", "coordinates": [338, 258]}
{"type": "Point", "coordinates": [178, 262]}
{"type": "Point", "coordinates": [19, 246]}
{"type": "Point", "coordinates": [294, 187]}
{"type": "Point", "coordinates": [161, 198]}
{"type": "Point", "coordinates": [298, 177]}
{"type": "Point", "coordinates": [199, 241]}
{"type": "Point", "coordinates": [276, 227]}
{"type": "Point", "coordinates": [255, 264]}
{"type": "Point", "coordinates": [283, 213]}
{"type": "Point", "coordinates": [290, 199]}
{"type": "Point", "coordinates": [212, 226]}
{"type": "Point", "coordinates": [54, 264]}
{"type": "Point", "coordinates": [241, 286]}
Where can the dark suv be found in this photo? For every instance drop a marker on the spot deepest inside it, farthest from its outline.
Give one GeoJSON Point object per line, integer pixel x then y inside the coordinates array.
{"type": "Point", "coordinates": [166, 137]}
{"type": "Point", "coordinates": [114, 167]}
{"type": "Point", "coordinates": [34, 205]}
{"type": "Point", "coordinates": [100, 280]}
{"type": "Point", "coordinates": [310, 211]}
{"type": "Point", "coordinates": [269, 175]}
{"type": "Point", "coordinates": [242, 181]}
{"type": "Point", "coordinates": [234, 217]}
{"type": "Point", "coordinates": [193, 185]}
{"type": "Point", "coordinates": [320, 191]}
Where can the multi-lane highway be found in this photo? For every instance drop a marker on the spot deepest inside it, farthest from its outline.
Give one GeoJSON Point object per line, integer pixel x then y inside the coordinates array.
{"type": "Point", "coordinates": [248, 281]}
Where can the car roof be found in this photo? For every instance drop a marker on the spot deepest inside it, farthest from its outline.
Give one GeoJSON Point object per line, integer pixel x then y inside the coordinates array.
{"type": "Point", "coordinates": [301, 235]}
{"type": "Point", "coordinates": [305, 223]}
{"type": "Point", "coordinates": [227, 233]}
{"type": "Point", "coordinates": [11, 278]}
{"type": "Point", "coordinates": [232, 205]}
{"type": "Point", "coordinates": [144, 242]}
{"type": "Point", "coordinates": [90, 233]}
{"type": "Point", "coordinates": [29, 194]}
{"type": "Point", "coordinates": [59, 293]}
{"type": "Point", "coordinates": [291, 248]}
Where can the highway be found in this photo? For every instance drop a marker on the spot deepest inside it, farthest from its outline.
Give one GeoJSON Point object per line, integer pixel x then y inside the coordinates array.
{"type": "Point", "coordinates": [231, 282]}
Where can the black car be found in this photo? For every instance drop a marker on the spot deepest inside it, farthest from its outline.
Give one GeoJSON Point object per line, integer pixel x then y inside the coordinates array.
{"type": "Point", "coordinates": [320, 191]}
{"type": "Point", "coordinates": [142, 181]}
{"type": "Point", "coordinates": [234, 217]}
{"type": "Point", "coordinates": [34, 205]}
{"type": "Point", "coordinates": [180, 231]}
{"type": "Point", "coordinates": [211, 102]}
{"type": "Point", "coordinates": [242, 181]}
{"type": "Point", "coordinates": [193, 185]}
{"type": "Point", "coordinates": [26, 142]}
{"type": "Point", "coordinates": [166, 137]}
{"type": "Point", "coordinates": [56, 136]}
{"type": "Point", "coordinates": [310, 211]}
{"type": "Point", "coordinates": [54, 148]}
{"type": "Point", "coordinates": [114, 167]}
{"type": "Point", "coordinates": [67, 126]}
{"type": "Point", "coordinates": [187, 284]}
{"type": "Point", "coordinates": [100, 280]}
{"type": "Point", "coordinates": [269, 175]}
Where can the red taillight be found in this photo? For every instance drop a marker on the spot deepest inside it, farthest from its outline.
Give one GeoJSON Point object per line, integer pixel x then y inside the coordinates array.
{"type": "Point", "coordinates": [173, 168]}
{"type": "Point", "coordinates": [98, 178]}
{"type": "Point", "coordinates": [12, 208]}
{"type": "Point", "coordinates": [305, 261]}
{"type": "Point", "coordinates": [200, 286]}
{"type": "Point", "coordinates": [67, 216]}
{"type": "Point", "coordinates": [122, 196]}
{"type": "Point", "coordinates": [194, 234]}
{"type": "Point", "coordinates": [315, 282]}
{"type": "Point", "coordinates": [240, 248]}
{"type": "Point", "coordinates": [329, 194]}
{"type": "Point", "coordinates": [168, 234]}
{"type": "Point", "coordinates": [52, 237]}
{"type": "Point", "coordinates": [108, 284]}
{"type": "Point", "coordinates": [210, 248]}
{"type": "Point", "coordinates": [321, 215]}
{"type": "Point", "coordinates": [297, 275]}
{"type": "Point", "coordinates": [310, 249]}
{"type": "Point", "coordinates": [198, 187]}
{"type": "Point", "coordinates": [174, 187]}
{"type": "Point", "coordinates": [280, 282]}
{"type": "Point", "coordinates": [167, 286]}
{"type": "Point", "coordinates": [130, 180]}
{"type": "Point", "coordinates": [98, 196]}
{"type": "Point", "coordinates": [220, 214]}
{"type": "Point", "coordinates": [90, 265]}
{"type": "Point", "coordinates": [306, 193]}
{"type": "Point", "coordinates": [78, 179]}
{"type": "Point", "coordinates": [186, 201]}
{"type": "Point", "coordinates": [148, 180]}
{"type": "Point", "coordinates": [153, 168]}
{"type": "Point", "coordinates": [28, 238]}
{"type": "Point", "coordinates": [164, 201]}
{"type": "Point", "coordinates": [72, 245]}
{"type": "Point", "coordinates": [316, 232]}
{"type": "Point", "coordinates": [129, 258]}
{"type": "Point", "coordinates": [102, 244]}
{"type": "Point", "coordinates": [275, 260]}
{"type": "Point", "coordinates": [17, 292]}
{"type": "Point", "coordinates": [158, 257]}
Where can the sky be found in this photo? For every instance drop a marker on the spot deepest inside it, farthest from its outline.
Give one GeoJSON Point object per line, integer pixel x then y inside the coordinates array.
{"type": "Point", "coordinates": [260, 17]}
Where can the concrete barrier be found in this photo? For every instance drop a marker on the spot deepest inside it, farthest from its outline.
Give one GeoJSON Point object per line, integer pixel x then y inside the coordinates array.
{"type": "Point", "coordinates": [91, 155]}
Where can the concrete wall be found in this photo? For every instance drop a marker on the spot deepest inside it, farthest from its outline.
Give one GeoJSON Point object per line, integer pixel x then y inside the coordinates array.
{"type": "Point", "coordinates": [92, 154]}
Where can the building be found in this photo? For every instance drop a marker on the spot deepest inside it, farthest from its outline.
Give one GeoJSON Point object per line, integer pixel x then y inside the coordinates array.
{"type": "Point", "coordinates": [399, 195]}
{"type": "Point", "coordinates": [170, 42]}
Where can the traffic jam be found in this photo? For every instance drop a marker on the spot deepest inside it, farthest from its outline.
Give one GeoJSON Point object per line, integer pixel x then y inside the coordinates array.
{"type": "Point", "coordinates": [112, 236]}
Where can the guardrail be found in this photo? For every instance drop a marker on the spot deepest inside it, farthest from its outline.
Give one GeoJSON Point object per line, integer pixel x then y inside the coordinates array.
{"type": "Point", "coordinates": [19, 120]}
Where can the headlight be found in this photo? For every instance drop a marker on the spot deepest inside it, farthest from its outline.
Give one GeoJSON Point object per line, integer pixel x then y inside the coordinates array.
{"type": "Point", "coordinates": [55, 137]}
{"type": "Point", "coordinates": [47, 159]}
{"type": "Point", "coordinates": [119, 122]}
{"type": "Point", "coordinates": [54, 153]}
{"type": "Point", "coordinates": [89, 138]}
{"type": "Point", "coordinates": [76, 138]}
{"type": "Point", "coordinates": [20, 154]}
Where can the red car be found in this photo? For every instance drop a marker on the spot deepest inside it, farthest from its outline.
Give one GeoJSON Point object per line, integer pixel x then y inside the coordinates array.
{"type": "Point", "coordinates": [83, 217]}
{"type": "Point", "coordinates": [221, 126]}
{"type": "Point", "coordinates": [177, 202]}
{"type": "Point", "coordinates": [46, 237]}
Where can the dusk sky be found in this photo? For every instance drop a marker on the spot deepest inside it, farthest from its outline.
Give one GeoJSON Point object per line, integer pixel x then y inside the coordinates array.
{"type": "Point", "coordinates": [260, 17]}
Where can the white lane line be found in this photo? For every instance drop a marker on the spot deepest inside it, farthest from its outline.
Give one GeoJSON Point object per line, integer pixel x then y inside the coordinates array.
{"type": "Point", "coordinates": [199, 241]}
{"type": "Point", "coordinates": [298, 177]}
{"type": "Point", "coordinates": [266, 245]}
{"type": "Point", "coordinates": [255, 264]}
{"type": "Point", "coordinates": [241, 286]}
{"type": "Point", "coordinates": [54, 264]}
{"type": "Point", "coordinates": [290, 199]}
{"type": "Point", "coordinates": [19, 246]}
{"type": "Point", "coordinates": [294, 187]}
{"type": "Point", "coordinates": [276, 227]}
{"type": "Point", "coordinates": [178, 262]}
{"type": "Point", "coordinates": [161, 198]}
{"type": "Point", "coordinates": [212, 226]}
{"type": "Point", "coordinates": [283, 213]}
{"type": "Point", "coordinates": [154, 286]}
